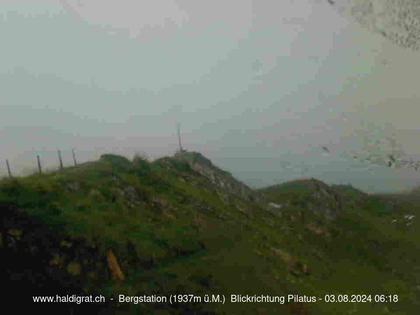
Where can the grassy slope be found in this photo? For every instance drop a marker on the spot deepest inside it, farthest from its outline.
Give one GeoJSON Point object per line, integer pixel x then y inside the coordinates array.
{"type": "Point", "coordinates": [174, 230]}
{"type": "Point", "coordinates": [365, 252]}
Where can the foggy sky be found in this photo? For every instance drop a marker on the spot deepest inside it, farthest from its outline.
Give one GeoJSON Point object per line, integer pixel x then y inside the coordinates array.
{"type": "Point", "coordinates": [258, 86]}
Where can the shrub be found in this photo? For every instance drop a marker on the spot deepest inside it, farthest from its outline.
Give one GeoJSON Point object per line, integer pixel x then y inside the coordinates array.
{"type": "Point", "coordinates": [118, 162]}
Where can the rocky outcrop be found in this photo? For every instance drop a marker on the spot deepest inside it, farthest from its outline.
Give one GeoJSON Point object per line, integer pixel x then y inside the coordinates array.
{"type": "Point", "coordinates": [310, 194]}
{"type": "Point", "coordinates": [221, 179]}
{"type": "Point", "coordinates": [324, 200]}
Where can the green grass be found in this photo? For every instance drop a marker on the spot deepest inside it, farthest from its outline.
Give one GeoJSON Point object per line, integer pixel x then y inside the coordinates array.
{"type": "Point", "coordinates": [174, 231]}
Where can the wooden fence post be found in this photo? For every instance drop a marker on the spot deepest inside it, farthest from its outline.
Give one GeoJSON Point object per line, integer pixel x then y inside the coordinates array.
{"type": "Point", "coordinates": [39, 164]}
{"type": "Point", "coordinates": [60, 159]}
{"type": "Point", "coordinates": [8, 169]}
{"type": "Point", "coordinates": [178, 127]}
{"type": "Point", "coordinates": [74, 157]}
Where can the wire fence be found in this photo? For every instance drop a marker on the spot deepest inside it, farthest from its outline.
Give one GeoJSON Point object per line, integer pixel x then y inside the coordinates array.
{"type": "Point", "coordinates": [47, 161]}
{"type": "Point", "coordinates": [39, 164]}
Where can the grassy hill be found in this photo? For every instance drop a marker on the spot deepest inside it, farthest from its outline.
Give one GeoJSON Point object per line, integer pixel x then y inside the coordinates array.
{"type": "Point", "coordinates": [180, 225]}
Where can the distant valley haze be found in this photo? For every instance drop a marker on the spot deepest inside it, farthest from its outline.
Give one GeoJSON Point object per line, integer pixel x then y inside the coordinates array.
{"type": "Point", "coordinates": [268, 90]}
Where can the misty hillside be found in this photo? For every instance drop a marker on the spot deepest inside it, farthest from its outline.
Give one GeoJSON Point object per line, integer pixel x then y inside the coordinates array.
{"type": "Point", "coordinates": [182, 225]}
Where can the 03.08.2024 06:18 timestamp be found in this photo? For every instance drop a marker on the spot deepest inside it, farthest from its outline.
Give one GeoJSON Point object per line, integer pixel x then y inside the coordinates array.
{"type": "Point", "coordinates": [360, 298]}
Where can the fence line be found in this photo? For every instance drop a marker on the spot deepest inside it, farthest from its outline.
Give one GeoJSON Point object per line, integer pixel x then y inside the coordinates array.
{"type": "Point", "coordinates": [40, 164]}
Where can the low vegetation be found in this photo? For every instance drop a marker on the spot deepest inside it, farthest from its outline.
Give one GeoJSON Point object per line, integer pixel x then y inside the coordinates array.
{"type": "Point", "coordinates": [181, 225]}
